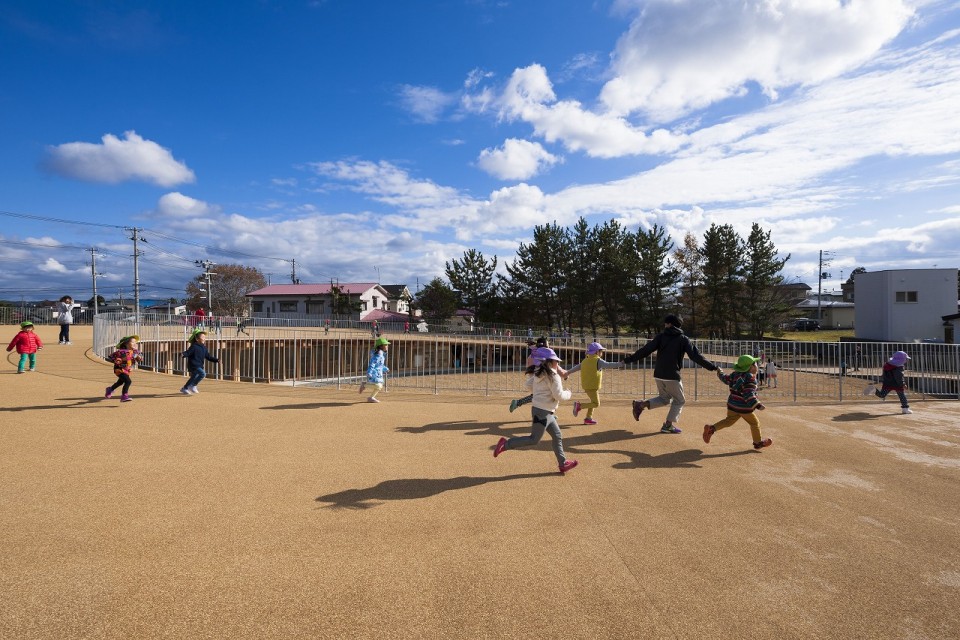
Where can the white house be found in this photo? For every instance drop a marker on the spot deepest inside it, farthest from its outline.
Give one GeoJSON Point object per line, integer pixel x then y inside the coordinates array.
{"type": "Point", "coordinates": [904, 305]}
{"type": "Point", "coordinates": [298, 300]}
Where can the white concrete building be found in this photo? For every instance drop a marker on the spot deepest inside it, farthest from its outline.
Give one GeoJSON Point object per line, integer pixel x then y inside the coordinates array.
{"type": "Point", "coordinates": [904, 305]}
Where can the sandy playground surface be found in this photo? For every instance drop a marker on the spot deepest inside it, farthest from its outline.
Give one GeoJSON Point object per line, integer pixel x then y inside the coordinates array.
{"type": "Point", "coordinates": [275, 512]}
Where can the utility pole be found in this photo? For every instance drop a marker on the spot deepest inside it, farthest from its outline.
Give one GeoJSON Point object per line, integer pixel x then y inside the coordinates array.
{"type": "Point", "coordinates": [94, 275]}
{"type": "Point", "coordinates": [136, 273]}
{"type": "Point", "coordinates": [293, 272]}
{"type": "Point", "coordinates": [821, 275]}
{"type": "Point", "coordinates": [207, 274]}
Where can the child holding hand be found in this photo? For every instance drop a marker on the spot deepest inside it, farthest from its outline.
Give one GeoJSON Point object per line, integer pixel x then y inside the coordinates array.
{"type": "Point", "coordinates": [548, 391]}
{"type": "Point", "coordinates": [742, 401]}
{"type": "Point", "coordinates": [591, 379]}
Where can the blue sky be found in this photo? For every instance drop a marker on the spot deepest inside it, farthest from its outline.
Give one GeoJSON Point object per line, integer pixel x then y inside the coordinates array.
{"type": "Point", "coordinates": [378, 140]}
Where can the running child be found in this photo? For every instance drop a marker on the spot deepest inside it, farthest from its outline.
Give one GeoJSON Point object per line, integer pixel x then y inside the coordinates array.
{"type": "Point", "coordinates": [891, 380]}
{"type": "Point", "coordinates": [532, 363]}
{"type": "Point", "coordinates": [591, 379]}
{"type": "Point", "coordinates": [197, 355]}
{"type": "Point", "coordinates": [376, 369]}
{"type": "Point", "coordinates": [27, 343]}
{"type": "Point", "coordinates": [548, 391]}
{"type": "Point", "coordinates": [126, 355]}
{"type": "Point", "coordinates": [742, 401]}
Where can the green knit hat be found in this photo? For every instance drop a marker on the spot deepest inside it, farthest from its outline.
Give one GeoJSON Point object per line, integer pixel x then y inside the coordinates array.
{"type": "Point", "coordinates": [196, 332]}
{"type": "Point", "coordinates": [25, 324]}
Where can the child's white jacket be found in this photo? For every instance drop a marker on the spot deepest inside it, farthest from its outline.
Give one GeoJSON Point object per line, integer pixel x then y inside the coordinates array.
{"type": "Point", "coordinates": [548, 391]}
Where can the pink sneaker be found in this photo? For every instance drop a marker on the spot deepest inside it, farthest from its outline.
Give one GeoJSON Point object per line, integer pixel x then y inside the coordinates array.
{"type": "Point", "coordinates": [576, 409]}
{"type": "Point", "coordinates": [566, 466]}
{"type": "Point", "coordinates": [589, 421]}
{"type": "Point", "coordinates": [125, 398]}
{"type": "Point", "coordinates": [500, 448]}
{"type": "Point", "coordinates": [107, 392]}
{"type": "Point", "coordinates": [766, 442]}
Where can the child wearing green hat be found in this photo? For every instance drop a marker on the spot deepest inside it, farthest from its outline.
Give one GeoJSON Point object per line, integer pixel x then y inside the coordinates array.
{"type": "Point", "coordinates": [742, 401]}
{"type": "Point", "coordinates": [123, 359]}
{"type": "Point", "coordinates": [197, 355]}
{"type": "Point", "coordinates": [27, 343]}
{"type": "Point", "coordinates": [376, 368]}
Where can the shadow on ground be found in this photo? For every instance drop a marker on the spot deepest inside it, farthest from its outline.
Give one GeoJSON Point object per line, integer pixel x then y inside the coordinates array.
{"type": "Point", "coordinates": [412, 489]}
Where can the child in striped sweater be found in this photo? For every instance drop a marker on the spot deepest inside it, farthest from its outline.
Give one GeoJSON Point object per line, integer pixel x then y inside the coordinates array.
{"type": "Point", "coordinates": [742, 401]}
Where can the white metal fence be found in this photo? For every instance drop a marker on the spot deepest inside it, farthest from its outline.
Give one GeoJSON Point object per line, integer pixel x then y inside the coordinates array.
{"type": "Point", "coordinates": [491, 365]}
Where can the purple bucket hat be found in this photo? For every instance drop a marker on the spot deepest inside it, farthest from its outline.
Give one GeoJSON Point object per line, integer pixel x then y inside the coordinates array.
{"type": "Point", "coordinates": [546, 353]}
{"type": "Point", "coordinates": [594, 347]}
{"type": "Point", "coordinates": [899, 358]}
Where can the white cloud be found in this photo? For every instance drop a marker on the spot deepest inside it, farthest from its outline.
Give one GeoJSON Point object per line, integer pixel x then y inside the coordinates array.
{"type": "Point", "coordinates": [683, 55]}
{"type": "Point", "coordinates": [176, 205]}
{"type": "Point", "coordinates": [51, 265]}
{"type": "Point", "coordinates": [118, 160]}
{"type": "Point", "coordinates": [529, 97]}
{"type": "Point", "coordinates": [516, 160]}
{"type": "Point", "coordinates": [426, 104]}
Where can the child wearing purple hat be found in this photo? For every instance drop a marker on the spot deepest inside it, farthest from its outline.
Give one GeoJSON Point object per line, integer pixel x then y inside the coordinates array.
{"type": "Point", "coordinates": [548, 391]}
{"type": "Point", "coordinates": [892, 380]}
{"type": "Point", "coordinates": [591, 379]}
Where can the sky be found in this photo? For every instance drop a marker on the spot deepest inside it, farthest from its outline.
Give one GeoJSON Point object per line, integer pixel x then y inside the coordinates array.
{"type": "Point", "coordinates": [375, 141]}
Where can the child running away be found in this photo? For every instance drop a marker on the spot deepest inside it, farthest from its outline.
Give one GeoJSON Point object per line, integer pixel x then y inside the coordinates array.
{"type": "Point", "coordinates": [892, 380]}
{"type": "Point", "coordinates": [197, 356]}
{"type": "Point", "coordinates": [742, 401]}
{"type": "Point", "coordinates": [27, 343]}
{"type": "Point", "coordinates": [548, 391]}
{"type": "Point", "coordinates": [123, 358]}
{"type": "Point", "coordinates": [376, 369]}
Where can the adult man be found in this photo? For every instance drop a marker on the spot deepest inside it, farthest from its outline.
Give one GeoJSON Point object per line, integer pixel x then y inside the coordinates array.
{"type": "Point", "coordinates": [671, 345]}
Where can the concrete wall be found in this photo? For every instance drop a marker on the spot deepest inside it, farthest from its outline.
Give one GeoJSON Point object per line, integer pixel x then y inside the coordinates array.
{"type": "Point", "coordinates": [881, 317]}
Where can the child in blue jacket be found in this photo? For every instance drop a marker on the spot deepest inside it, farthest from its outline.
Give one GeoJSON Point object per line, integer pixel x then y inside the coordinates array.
{"type": "Point", "coordinates": [197, 356]}
{"type": "Point", "coordinates": [376, 369]}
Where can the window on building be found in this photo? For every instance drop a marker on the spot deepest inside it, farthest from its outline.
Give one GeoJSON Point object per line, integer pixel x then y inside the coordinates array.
{"type": "Point", "coordinates": [258, 307]}
{"type": "Point", "coordinates": [288, 307]}
{"type": "Point", "coordinates": [375, 298]}
{"type": "Point", "coordinates": [315, 307]}
{"type": "Point", "coordinates": [906, 296]}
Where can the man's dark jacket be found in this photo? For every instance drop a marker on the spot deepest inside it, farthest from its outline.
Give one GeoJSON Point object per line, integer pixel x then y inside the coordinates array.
{"type": "Point", "coordinates": [671, 345]}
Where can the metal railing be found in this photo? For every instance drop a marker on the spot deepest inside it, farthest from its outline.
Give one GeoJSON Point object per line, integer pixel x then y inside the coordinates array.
{"type": "Point", "coordinates": [492, 365]}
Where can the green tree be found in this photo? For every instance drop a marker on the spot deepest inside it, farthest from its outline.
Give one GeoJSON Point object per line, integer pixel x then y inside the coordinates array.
{"type": "Point", "coordinates": [437, 301]}
{"type": "Point", "coordinates": [853, 274]}
{"type": "Point", "coordinates": [722, 251]}
{"type": "Point", "coordinates": [538, 273]}
{"type": "Point", "coordinates": [762, 299]}
{"type": "Point", "coordinates": [581, 277]}
{"type": "Point", "coordinates": [657, 276]}
{"type": "Point", "coordinates": [615, 270]}
{"type": "Point", "coordinates": [473, 278]}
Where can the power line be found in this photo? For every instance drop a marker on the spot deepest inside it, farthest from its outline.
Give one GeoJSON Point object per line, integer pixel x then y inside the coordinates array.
{"type": "Point", "coordinates": [28, 216]}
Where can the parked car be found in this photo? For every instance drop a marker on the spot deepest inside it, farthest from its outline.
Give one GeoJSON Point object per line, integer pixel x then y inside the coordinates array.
{"type": "Point", "coordinates": [806, 324]}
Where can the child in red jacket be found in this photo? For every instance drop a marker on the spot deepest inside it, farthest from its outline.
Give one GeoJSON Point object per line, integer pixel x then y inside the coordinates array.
{"type": "Point", "coordinates": [27, 344]}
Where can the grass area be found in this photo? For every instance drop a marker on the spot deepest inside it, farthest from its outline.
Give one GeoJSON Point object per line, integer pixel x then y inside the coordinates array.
{"type": "Point", "coordinates": [829, 335]}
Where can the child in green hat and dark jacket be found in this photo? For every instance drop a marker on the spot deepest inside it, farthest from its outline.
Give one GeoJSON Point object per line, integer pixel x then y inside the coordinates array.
{"type": "Point", "coordinates": [742, 401]}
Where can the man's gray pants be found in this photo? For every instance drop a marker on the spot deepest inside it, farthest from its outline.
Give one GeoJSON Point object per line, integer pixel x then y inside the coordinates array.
{"type": "Point", "coordinates": [669, 392]}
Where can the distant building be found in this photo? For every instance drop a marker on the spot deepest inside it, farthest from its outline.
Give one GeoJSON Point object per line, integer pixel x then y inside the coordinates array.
{"type": "Point", "coordinates": [398, 299]}
{"type": "Point", "coordinates": [834, 312]}
{"type": "Point", "coordinates": [302, 300]}
{"type": "Point", "coordinates": [905, 305]}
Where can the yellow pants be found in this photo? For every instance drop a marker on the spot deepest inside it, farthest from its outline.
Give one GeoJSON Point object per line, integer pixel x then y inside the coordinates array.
{"type": "Point", "coordinates": [594, 395]}
{"type": "Point", "coordinates": [749, 418]}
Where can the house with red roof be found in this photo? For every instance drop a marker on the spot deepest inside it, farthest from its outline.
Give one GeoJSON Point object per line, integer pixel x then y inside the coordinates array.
{"type": "Point", "coordinates": [357, 299]}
